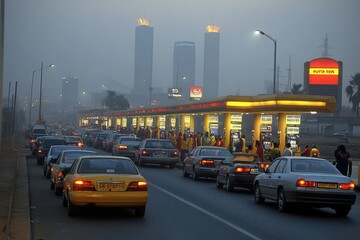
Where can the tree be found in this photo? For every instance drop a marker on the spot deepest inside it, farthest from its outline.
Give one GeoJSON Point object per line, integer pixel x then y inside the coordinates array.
{"type": "Point", "coordinates": [296, 89]}
{"type": "Point", "coordinates": [352, 92]}
{"type": "Point", "coordinates": [115, 102]}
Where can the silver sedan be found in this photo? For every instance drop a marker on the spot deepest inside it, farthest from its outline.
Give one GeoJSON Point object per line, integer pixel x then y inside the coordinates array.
{"type": "Point", "coordinates": [304, 180]}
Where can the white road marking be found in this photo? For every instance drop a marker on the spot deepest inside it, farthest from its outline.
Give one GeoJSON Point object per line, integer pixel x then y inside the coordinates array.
{"type": "Point", "coordinates": [239, 229]}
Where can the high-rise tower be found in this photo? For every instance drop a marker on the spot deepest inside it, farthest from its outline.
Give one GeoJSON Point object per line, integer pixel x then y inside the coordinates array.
{"type": "Point", "coordinates": [144, 35]}
{"type": "Point", "coordinates": [184, 67]}
{"type": "Point", "coordinates": [211, 61]}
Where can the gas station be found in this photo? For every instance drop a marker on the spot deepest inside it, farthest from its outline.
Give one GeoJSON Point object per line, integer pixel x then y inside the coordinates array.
{"type": "Point", "coordinates": [288, 109]}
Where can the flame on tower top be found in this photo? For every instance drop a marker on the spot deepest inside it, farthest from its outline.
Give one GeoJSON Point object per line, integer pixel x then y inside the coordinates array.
{"type": "Point", "coordinates": [143, 21]}
{"type": "Point", "coordinates": [212, 28]}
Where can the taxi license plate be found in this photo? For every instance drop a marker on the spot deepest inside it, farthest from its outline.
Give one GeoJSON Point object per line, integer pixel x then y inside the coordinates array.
{"type": "Point", "coordinates": [327, 185]}
{"type": "Point", "coordinates": [108, 186]}
{"type": "Point", "coordinates": [160, 154]}
{"type": "Point", "coordinates": [254, 170]}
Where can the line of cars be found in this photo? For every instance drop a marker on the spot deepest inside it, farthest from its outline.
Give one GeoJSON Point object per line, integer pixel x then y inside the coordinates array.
{"type": "Point", "coordinates": [85, 178]}
{"type": "Point", "coordinates": [288, 180]}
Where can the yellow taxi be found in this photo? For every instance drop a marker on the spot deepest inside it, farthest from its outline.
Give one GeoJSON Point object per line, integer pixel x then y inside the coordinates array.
{"type": "Point", "coordinates": [104, 181]}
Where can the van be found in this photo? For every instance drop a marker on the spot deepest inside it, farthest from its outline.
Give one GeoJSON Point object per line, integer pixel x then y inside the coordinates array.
{"type": "Point", "coordinates": [38, 129]}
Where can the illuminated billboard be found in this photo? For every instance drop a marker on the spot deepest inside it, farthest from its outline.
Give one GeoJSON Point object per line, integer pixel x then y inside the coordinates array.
{"type": "Point", "coordinates": [324, 71]}
{"type": "Point", "coordinates": [174, 93]}
{"type": "Point", "coordinates": [195, 93]}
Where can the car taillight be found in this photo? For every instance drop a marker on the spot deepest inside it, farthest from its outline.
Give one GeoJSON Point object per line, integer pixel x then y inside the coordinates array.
{"type": "Point", "coordinates": [80, 185]}
{"type": "Point", "coordinates": [32, 141]}
{"type": "Point", "coordinates": [207, 162]}
{"type": "Point", "coordinates": [123, 147]}
{"type": "Point", "coordinates": [103, 142]}
{"type": "Point", "coordinates": [137, 186]}
{"type": "Point", "coordinates": [347, 186]}
{"type": "Point", "coordinates": [145, 153]}
{"type": "Point", "coordinates": [80, 144]}
{"type": "Point", "coordinates": [303, 183]}
{"type": "Point", "coordinates": [39, 150]}
{"type": "Point", "coordinates": [60, 176]}
{"type": "Point", "coordinates": [175, 154]}
{"type": "Point", "coordinates": [242, 170]}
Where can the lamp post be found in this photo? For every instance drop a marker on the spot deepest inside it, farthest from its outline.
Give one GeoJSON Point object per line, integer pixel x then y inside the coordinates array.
{"type": "Point", "coordinates": [31, 90]}
{"type": "Point", "coordinates": [274, 41]}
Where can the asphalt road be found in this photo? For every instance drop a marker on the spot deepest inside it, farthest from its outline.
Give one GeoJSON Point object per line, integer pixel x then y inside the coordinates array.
{"type": "Point", "coordinates": [181, 208]}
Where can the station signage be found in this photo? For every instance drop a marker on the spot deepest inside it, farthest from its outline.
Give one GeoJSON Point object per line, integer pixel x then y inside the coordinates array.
{"type": "Point", "coordinates": [118, 121]}
{"type": "Point", "coordinates": [133, 122]}
{"type": "Point", "coordinates": [266, 119]}
{"type": "Point", "coordinates": [292, 130]}
{"type": "Point", "coordinates": [149, 121]}
{"type": "Point", "coordinates": [141, 122]}
{"type": "Point", "coordinates": [214, 118]}
{"type": "Point", "coordinates": [236, 117]}
{"type": "Point", "coordinates": [174, 93]}
{"type": "Point", "coordinates": [187, 122]}
{"type": "Point", "coordinates": [293, 119]}
{"type": "Point", "coordinates": [124, 122]}
{"type": "Point", "coordinates": [324, 71]}
{"type": "Point", "coordinates": [195, 93]}
{"type": "Point", "coordinates": [236, 121]}
{"type": "Point", "coordinates": [265, 128]}
{"type": "Point", "coordinates": [162, 122]}
{"type": "Point", "coordinates": [172, 122]}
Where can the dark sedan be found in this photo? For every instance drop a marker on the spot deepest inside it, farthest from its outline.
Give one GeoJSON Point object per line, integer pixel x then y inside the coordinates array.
{"type": "Point", "coordinates": [158, 151]}
{"type": "Point", "coordinates": [204, 161]}
{"type": "Point", "coordinates": [126, 146]}
{"type": "Point", "coordinates": [313, 182]}
{"type": "Point", "coordinates": [238, 170]}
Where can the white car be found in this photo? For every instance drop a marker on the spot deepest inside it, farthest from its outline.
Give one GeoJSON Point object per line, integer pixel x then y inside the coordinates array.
{"type": "Point", "coordinates": [304, 180]}
{"type": "Point", "coordinates": [53, 153]}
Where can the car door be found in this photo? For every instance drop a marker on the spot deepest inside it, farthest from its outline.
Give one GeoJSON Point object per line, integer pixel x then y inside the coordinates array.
{"type": "Point", "coordinates": [265, 180]}
{"type": "Point", "coordinates": [277, 177]}
{"type": "Point", "coordinates": [225, 167]}
{"type": "Point", "coordinates": [190, 159]}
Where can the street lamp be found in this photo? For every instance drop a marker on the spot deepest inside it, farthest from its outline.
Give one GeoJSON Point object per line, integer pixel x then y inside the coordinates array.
{"type": "Point", "coordinates": [31, 90]}
{"type": "Point", "coordinates": [274, 41]}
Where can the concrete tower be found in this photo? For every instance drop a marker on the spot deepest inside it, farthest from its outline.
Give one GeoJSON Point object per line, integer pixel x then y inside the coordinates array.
{"type": "Point", "coordinates": [211, 62]}
{"type": "Point", "coordinates": [144, 36]}
{"type": "Point", "coordinates": [184, 67]}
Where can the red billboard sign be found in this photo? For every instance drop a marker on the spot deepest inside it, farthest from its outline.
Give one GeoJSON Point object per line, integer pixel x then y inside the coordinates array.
{"type": "Point", "coordinates": [324, 71]}
{"type": "Point", "coordinates": [195, 92]}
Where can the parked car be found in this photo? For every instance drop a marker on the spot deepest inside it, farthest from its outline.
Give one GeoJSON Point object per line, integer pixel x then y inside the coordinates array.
{"type": "Point", "coordinates": [44, 147]}
{"type": "Point", "coordinates": [61, 166]}
{"type": "Point", "coordinates": [203, 161]}
{"type": "Point", "coordinates": [126, 146]}
{"type": "Point", "coordinates": [238, 170]}
{"type": "Point", "coordinates": [98, 141]}
{"type": "Point", "coordinates": [110, 140]}
{"type": "Point", "coordinates": [158, 151]}
{"type": "Point", "coordinates": [74, 140]}
{"type": "Point", "coordinates": [313, 182]}
{"type": "Point", "coordinates": [105, 181]}
{"type": "Point", "coordinates": [53, 153]}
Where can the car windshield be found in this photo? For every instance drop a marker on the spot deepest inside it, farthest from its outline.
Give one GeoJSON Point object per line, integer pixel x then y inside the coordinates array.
{"type": "Point", "coordinates": [70, 157]}
{"type": "Point", "coordinates": [312, 166]}
{"type": "Point", "coordinates": [72, 139]}
{"type": "Point", "coordinates": [159, 144]}
{"type": "Point", "coordinates": [49, 143]}
{"type": "Point", "coordinates": [130, 142]}
{"type": "Point", "coordinates": [107, 166]}
{"type": "Point", "coordinates": [214, 152]}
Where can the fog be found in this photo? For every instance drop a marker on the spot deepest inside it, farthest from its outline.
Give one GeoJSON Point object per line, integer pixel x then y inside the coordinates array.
{"type": "Point", "coordinates": [94, 40]}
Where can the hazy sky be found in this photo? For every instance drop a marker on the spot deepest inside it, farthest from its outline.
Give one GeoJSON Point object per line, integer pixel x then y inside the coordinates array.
{"type": "Point", "coordinates": [94, 40]}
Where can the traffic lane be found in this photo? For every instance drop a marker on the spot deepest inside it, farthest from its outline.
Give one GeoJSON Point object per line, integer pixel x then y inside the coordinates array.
{"type": "Point", "coordinates": [166, 217]}
{"type": "Point", "coordinates": [264, 221]}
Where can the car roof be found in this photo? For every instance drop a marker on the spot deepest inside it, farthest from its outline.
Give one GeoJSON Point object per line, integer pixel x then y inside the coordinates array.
{"type": "Point", "coordinates": [105, 156]}
{"type": "Point", "coordinates": [77, 150]}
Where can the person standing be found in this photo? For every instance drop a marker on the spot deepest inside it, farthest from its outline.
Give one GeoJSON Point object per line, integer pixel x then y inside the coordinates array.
{"type": "Point", "coordinates": [306, 152]}
{"type": "Point", "coordinates": [185, 147]}
{"type": "Point", "coordinates": [314, 151]}
{"type": "Point", "coordinates": [275, 152]}
{"type": "Point", "coordinates": [259, 150]}
{"type": "Point", "coordinates": [206, 140]}
{"type": "Point", "coordinates": [178, 141]}
{"type": "Point", "coordinates": [343, 161]}
{"type": "Point", "coordinates": [287, 151]}
{"type": "Point", "coordinates": [243, 144]}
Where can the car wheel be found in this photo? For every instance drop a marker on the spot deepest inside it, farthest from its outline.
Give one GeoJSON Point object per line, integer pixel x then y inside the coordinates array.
{"type": "Point", "coordinates": [52, 185]}
{"type": "Point", "coordinates": [72, 209]}
{"type": "Point", "coordinates": [342, 211]}
{"type": "Point", "coordinates": [58, 190]}
{"type": "Point", "coordinates": [64, 201]}
{"type": "Point", "coordinates": [257, 194]}
{"type": "Point", "coordinates": [140, 211]}
{"type": "Point", "coordinates": [229, 185]}
{"type": "Point", "coordinates": [219, 185]}
{"type": "Point", "coordinates": [195, 175]}
{"type": "Point", "coordinates": [171, 165]}
{"type": "Point", "coordinates": [281, 201]}
{"type": "Point", "coordinates": [185, 173]}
